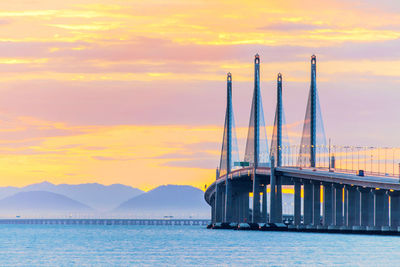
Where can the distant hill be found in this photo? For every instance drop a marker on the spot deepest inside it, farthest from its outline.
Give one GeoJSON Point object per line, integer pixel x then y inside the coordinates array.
{"type": "Point", "coordinates": [97, 196]}
{"type": "Point", "coordinates": [168, 200]}
{"type": "Point", "coordinates": [41, 203]}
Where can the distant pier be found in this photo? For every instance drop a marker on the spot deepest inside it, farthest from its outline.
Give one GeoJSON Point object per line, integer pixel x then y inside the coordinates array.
{"type": "Point", "coordinates": [201, 222]}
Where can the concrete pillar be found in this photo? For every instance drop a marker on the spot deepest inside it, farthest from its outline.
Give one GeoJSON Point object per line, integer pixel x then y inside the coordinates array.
{"type": "Point", "coordinates": [316, 203]}
{"type": "Point", "coordinates": [264, 204]}
{"type": "Point", "coordinates": [218, 203]}
{"type": "Point", "coordinates": [338, 214]}
{"type": "Point", "coordinates": [308, 203]}
{"type": "Point", "coordinates": [229, 206]}
{"type": "Point", "coordinates": [345, 206]}
{"type": "Point", "coordinates": [278, 199]}
{"type": "Point", "coordinates": [386, 209]}
{"type": "Point", "coordinates": [272, 195]}
{"type": "Point", "coordinates": [234, 208]}
{"type": "Point", "coordinates": [297, 202]}
{"type": "Point", "coordinates": [366, 206]}
{"type": "Point", "coordinates": [223, 204]}
{"type": "Point", "coordinates": [241, 209]}
{"type": "Point", "coordinates": [213, 210]}
{"type": "Point", "coordinates": [246, 206]}
{"type": "Point", "coordinates": [394, 209]}
{"type": "Point", "coordinates": [381, 208]}
{"type": "Point", "coordinates": [238, 205]}
{"type": "Point", "coordinates": [351, 205]}
{"type": "Point", "coordinates": [256, 198]}
{"type": "Point", "coordinates": [328, 204]}
{"type": "Point", "coordinates": [371, 205]}
{"type": "Point", "coordinates": [357, 208]}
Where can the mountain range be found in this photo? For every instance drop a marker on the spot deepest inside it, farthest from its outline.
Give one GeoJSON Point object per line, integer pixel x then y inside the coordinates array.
{"type": "Point", "coordinates": [97, 196]}
{"type": "Point", "coordinates": [37, 202]}
{"type": "Point", "coordinates": [168, 200]}
{"type": "Point", "coordinates": [96, 200]}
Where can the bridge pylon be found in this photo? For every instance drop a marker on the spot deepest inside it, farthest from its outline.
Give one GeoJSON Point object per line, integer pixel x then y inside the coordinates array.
{"type": "Point", "coordinates": [256, 153]}
{"type": "Point", "coordinates": [229, 153]}
{"type": "Point", "coordinates": [313, 139]}
{"type": "Point", "coordinates": [280, 143]}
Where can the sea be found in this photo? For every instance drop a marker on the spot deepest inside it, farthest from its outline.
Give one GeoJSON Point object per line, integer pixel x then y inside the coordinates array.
{"type": "Point", "coordinates": [134, 245]}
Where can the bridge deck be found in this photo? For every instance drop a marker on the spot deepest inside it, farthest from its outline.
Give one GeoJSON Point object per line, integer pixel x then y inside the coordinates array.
{"type": "Point", "coordinates": [322, 175]}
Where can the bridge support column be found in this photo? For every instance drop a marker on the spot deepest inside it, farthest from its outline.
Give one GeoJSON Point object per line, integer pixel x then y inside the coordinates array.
{"type": "Point", "coordinates": [351, 206]}
{"type": "Point", "coordinates": [338, 191]}
{"type": "Point", "coordinates": [297, 202]}
{"type": "Point", "coordinates": [308, 203]}
{"type": "Point", "coordinates": [218, 203]}
{"type": "Point", "coordinates": [240, 206]}
{"type": "Point", "coordinates": [381, 208]}
{"type": "Point", "coordinates": [213, 211]}
{"type": "Point", "coordinates": [246, 206]}
{"type": "Point", "coordinates": [229, 206]}
{"type": "Point", "coordinates": [394, 209]}
{"type": "Point", "coordinates": [272, 194]}
{"type": "Point", "coordinates": [357, 216]}
{"type": "Point", "coordinates": [256, 198]}
{"type": "Point", "coordinates": [316, 203]}
{"type": "Point", "coordinates": [234, 208]}
{"type": "Point", "coordinates": [223, 203]}
{"type": "Point", "coordinates": [278, 199]}
{"type": "Point", "coordinates": [264, 204]}
{"type": "Point", "coordinates": [345, 206]}
{"type": "Point", "coordinates": [328, 204]}
{"type": "Point", "coordinates": [371, 206]}
{"type": "Point", "coordinates": [367, 206]}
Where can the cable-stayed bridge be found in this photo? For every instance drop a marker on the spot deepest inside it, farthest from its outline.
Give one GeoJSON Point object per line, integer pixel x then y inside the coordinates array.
{"type": "Point", "coordinates": [335, 187]}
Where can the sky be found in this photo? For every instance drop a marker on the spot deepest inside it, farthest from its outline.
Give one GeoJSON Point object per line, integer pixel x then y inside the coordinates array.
{"type": "Point", "coordinates": [133, 92]}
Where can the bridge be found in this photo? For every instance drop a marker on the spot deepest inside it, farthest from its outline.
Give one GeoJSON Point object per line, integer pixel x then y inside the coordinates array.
{"type": "Point", "coordinates": [334, 187]}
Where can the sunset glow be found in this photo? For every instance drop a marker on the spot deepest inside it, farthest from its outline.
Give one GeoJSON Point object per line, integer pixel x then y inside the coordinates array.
{"type": "Point", "coordinates": [133, 92]}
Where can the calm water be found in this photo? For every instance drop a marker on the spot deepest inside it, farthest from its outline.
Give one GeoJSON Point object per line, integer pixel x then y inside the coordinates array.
{"type": "Point", "coordinates": [66, 245]}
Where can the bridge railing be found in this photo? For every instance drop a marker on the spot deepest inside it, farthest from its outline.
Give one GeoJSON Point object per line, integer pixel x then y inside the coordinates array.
{"type": "Point", "coordinates": [374, 161]}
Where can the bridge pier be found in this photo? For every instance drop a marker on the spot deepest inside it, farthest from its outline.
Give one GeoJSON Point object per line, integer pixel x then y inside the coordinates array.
{"type": "Point", "coordinates": [246, 202]}
{"type": "Point", "coordinates": [394, 209]}
{"type": "Point", "coordinates": [357, 215]}
{"type": "Point", "coordinates": [233, 208]}
{"type": "Point", "coordinates": [256, 198]}
{"type": "Point", "coordinates": [218, 203]}
{"type": "Point", "coordinates": [222, 203]}
{"type": "Point", "coordinates": [272, 195]}
{"type": "Point", "coordinates": [228, 205]}
{"type": "Point", "coordinates": [345, 206]}
{"type": "Point", "coordinates": [316, 203]}
{"type": "Point", "coordinates": [338, 214]}
{"type": "Point", "coordinates": [264, 204]}
{"type": "Point", "coordinates": [308, 202]}
{"type": "Point", "coordinates": [278, 199]}
{"type": "Point", "coordinates": [351, 206]}
{"type": "Point", "coordinates": [297, 202]}
{"type": "Point", "coordinates": [381, 208]}
{"type": "Point", "coordinates": [238, 199]}
{"type": "Point", "coordinates": [367, 206]}
{"type": "Point", "coordinates": [240, 206]}
{"type": "Point", "coordinates": [328, 204]}
{"type": "Point", "coordinates": [213, 210]}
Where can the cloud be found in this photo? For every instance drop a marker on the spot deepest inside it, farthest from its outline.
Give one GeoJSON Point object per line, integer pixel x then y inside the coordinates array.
{"type": "Point", "coordinates": [292, 26]}
{"type": "Point", "coordinates": [184, 155]}
{"type": "Point", "coordinates": [103, 158]}
{"type": "Point", "coordinates": [198, 163]}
